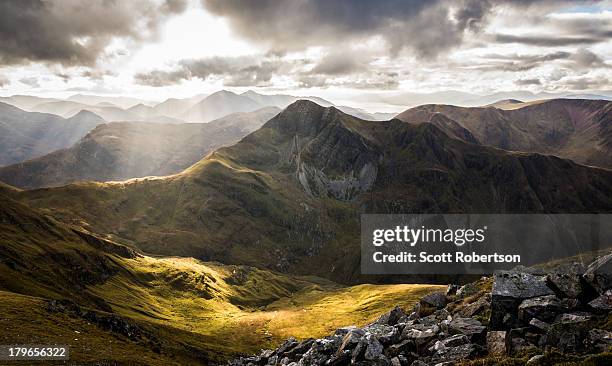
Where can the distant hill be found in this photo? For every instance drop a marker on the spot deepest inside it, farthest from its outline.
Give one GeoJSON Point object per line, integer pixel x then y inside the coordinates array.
{"type": "Point", "coordinates": [123, 150]}
{"type": "Point", "coordinates": [26, 135]}
{"type": "Point", "coordinates": [570, 128]}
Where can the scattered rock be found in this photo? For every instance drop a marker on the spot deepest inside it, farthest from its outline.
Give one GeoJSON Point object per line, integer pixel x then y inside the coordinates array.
{"type": "Point", "coordinates": [437, 300]}
{"type": "Point", "coordinates": [544, 308]}
{"type": "Point", "coordinates": [496, 343]}
{"type": "Point", "coordinates": [599, 274]}
{"type": "Point", "coordinates": [603, 303]}
{"type": "Point", "coordinates": [534, 360]}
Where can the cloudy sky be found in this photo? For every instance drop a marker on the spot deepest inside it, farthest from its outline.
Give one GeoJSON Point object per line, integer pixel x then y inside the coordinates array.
{"type": "Point", "coordinates": [337, 49]}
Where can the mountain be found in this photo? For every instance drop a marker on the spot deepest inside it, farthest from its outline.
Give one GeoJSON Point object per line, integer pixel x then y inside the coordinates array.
{"type": "Point", "coordinates": [570, 128]}
{"type": "Point", "coordinates": [26, 102]}
{"type": "Point", "coordinates": [123, 150]}
{"type": "Point", "coordinates": [121, 102]}
{"type": "Point", "coordinates": [281, 100]}
{"type": "Point", "coordinates": [26, 135]}
{"type": "Point", "coordinates": [507, 104]}
{"type": "Point", "coordinates": [289, 195]}
{"type": "Point", "coordinates": [176, 107]}
{"type": "Point", "coordinates": [60, 284]}
{"type": "Point", "coordinates": [218, 105]}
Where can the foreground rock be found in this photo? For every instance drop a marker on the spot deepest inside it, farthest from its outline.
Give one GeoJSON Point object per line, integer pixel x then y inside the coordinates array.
{"type": "Point", "coordinates": [501, 316]}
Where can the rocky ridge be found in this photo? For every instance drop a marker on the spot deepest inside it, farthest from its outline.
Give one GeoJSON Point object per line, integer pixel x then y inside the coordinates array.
{"type": "Point", "coordinates": [520, 313]}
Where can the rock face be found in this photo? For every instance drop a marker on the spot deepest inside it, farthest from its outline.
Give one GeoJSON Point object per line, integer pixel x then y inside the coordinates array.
{"type": "Point", "coordinates": [526, 311]}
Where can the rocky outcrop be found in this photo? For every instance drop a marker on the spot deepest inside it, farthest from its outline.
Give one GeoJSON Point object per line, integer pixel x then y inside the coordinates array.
{"type": "Point", "coordinates": [511, 312]}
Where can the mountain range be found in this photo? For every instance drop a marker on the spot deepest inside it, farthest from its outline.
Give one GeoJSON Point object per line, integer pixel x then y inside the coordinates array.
{"type": "Point", "coordinates": [575, 129]}
{"type": "Point", "coordinates": [25, 135]}
{"type": "Point", "coordinates": [124, 150]}
{"type": "Point", "coordinates": [288, 196]}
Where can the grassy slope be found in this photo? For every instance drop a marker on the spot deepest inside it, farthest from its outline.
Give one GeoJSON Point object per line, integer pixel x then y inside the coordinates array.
{"type": "Point", "coordinates": [194, 311]}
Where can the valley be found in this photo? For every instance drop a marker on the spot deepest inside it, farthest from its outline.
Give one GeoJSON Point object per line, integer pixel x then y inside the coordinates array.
{"type": "Point", "coordinates": [160, 308]}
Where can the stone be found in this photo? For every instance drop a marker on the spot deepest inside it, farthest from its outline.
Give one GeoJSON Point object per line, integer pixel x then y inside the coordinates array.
{"type": "Point", "coordinates": [599, 340]}
{"type": "Point", "coordinates": [539, 325]}
{"type": "Point", "coordinates": [395, 362]}
{"type": "Point", "coordinates": [455, 340]}
{"type": "Point", "coordinates": [568, 332]}
{"type": "Point", "coordinates": [437, 300]}
{"type": "Point", "coordinates": [418, 363]}
{"type": "Point", "coordinates": [599, 274]}
{"type": "Point", "coordinates": [340, 359]}
{"type": "Point", "coordinates": [467, 290]}
{"type": "Point", "coordinates": [463, 352]}
{"type": "Point", "coordinates": [496, 343]}
{"type": "Point", "coordinates": [534, 360]}
{"type": "Point", "coordinates": [385, 334]}
{"type": "Point", "coordinates": [374, 348]}
{"type": "Point", "coordinates": [544, 308]}
{"type": "Point", "coordinates": [392, 317]}
{"type": "Point", "coordinates": [519, 285]}
{"type": "Point", "coordinates": [451, 290]}
{"type": "Point", "coordinates": [287, 345]}
{"type": "Point", "coordinates": [351, 339]}
{"type": "Point", "coordinates": [404, 346]}
{"type": "Point", "coordinates": [469, 327]}
{"type": "Point", "coordinates": [602, 303]}
{"type": "Point", "coordinates": [565, 285]}
{"type": "Point", "coordinates": [510, 288]}
{"type": "Point", "coordinates": [480, 306]}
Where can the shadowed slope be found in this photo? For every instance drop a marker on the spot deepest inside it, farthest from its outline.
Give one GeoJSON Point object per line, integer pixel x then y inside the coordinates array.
{"type": "Point", "coordinates": [123, 150]}
{"type": "Point", "coordinates": [570, 128]}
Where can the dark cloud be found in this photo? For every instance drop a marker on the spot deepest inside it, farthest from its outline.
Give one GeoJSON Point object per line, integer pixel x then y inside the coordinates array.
{"type": "Point", "coordinates": [424, 26]}
{"type": "Point", "coordinates": [235, 71]}
{"type": "Point", "coordinates": [526, 82]}
{"type": "Point", "coordinates": [75, 32]}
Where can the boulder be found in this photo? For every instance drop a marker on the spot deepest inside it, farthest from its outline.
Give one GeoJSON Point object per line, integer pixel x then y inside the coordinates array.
{"type": "Point", "coordinates": [539, 325]}
{"type": "Point", "coordinates": [510, 288]}
{"type": "Point", "coordinates": [373, 349]}
{"type": "Point", "coordinates": [451, 290]}
{"type": "Point", "coordinates": [598, 274]}
{"type": "Point", "coordinates": [568, 332]}
{"type": "Point", "coordinates": [385, 334]}
{"type": "Point", "coordinates": [544, 308]}
{"type": "Point", "coordinates": [480, 306]}
{"type": "Point", "coordinates": [463, 352]}
{"type": "Point", "coordinates": [403, 347]}
{"type": "Point", "coordinates": [469, 327]}
{"type": "Point", "coordinates": [602, 303]}
{"type": "Point", "coordinates": [565, 285]}
{"type": "Point", "coordinates": [437, 300]}
{"type": "Point", "coordinates": [455, 340]}
{"type": "Point", "coordinates": [392, 317]}
{"type": "Point", "coordinates": [467, 290]}
{"type": "Point", "coordinates": [599, 340]}
{"type": "Point", "coordinates": [496, 343]}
